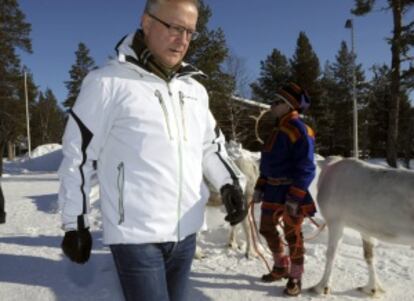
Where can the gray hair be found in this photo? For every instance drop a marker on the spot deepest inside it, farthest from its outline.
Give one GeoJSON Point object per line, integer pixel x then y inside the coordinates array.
{"type": "Point", "coordinates": [152, 5]}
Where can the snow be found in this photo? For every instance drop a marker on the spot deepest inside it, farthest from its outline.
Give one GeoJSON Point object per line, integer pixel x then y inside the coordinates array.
{"type": "Point", "coordinates": [33, 267]}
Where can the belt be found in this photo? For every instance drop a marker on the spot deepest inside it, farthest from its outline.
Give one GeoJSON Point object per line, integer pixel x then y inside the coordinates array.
{"type": "Point", "coordinates": [278, 181]}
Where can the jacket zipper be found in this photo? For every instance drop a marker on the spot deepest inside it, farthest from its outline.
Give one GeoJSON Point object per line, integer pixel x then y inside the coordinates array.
{"type": "Point", "coordinates": [181, 95]}
{"type": "Point", "coordinates": [180, 172]}
{"type": "Point", "coordinates": [158, 94]}
{"type": "Point", "coordinates": [120, 183]}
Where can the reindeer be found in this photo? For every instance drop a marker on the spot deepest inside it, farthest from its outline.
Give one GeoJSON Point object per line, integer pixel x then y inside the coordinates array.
{"type": "Point", "coordinates": [248, 165]}
{"type": "Point", "coordinates": [376, 201]}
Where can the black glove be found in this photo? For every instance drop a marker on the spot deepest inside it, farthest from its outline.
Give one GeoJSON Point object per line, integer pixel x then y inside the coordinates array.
{"type": "Point", "coordinates": [77, 245]}
{"type": "Point", "coordinates": [234, 202]}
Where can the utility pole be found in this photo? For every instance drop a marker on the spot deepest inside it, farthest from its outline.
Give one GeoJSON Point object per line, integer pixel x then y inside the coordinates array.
{"type": "Point", "coordinates": [29, 146]}
{"type": "Point", "coordinates": [349, 24]}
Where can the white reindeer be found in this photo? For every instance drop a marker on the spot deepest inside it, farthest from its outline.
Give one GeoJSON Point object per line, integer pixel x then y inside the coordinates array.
{"type": "Point", "coordinates": [249, 166]}
{"type": "Point", "coordinates": [376, 201]}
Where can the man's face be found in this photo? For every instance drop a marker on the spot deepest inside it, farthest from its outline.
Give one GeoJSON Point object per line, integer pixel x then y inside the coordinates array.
{"type": "Point", "coordinates": [168, 47]}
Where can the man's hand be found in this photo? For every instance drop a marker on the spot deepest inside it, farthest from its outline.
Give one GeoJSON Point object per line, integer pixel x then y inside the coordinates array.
{"type": "Point", "coordinates": [77, 245]}
{"type": "Point", "coordinates": [234, 202]}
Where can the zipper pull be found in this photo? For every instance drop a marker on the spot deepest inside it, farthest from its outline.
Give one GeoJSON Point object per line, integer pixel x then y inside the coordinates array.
{"type": "Point", "coordinates": [169, 90]}
{"type": "Point", "coordinates": [158, 94]}
{"type": "Point", "coordinates": [181, 97]}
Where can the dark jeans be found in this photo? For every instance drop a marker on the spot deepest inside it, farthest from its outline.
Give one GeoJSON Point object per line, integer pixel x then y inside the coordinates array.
{"type": "Point", "coordinates": [155, 271]}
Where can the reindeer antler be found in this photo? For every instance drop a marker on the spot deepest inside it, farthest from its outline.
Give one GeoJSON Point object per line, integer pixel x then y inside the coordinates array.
{"type": "Point", "coordinates": [256, 125]}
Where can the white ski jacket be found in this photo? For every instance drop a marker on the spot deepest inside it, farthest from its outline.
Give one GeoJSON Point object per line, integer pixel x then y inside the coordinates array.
{"type": "Point", "coordinates": [153, 142]}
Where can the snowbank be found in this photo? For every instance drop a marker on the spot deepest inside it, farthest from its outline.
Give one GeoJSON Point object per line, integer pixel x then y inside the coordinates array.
{"type": "Point", "coordinates": [33, 267]}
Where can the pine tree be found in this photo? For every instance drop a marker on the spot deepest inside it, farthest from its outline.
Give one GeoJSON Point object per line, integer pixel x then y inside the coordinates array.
{"type": "Point", "coordinates": [377, 117]}
{"type": "Point", "coordinates": [208, 53]}
{"type": "Point", "coordinates": [326, 134]}
{"type": "Point", "coordinates": [406, 133]}
{"type": "Point", "coordinates": [306, 72]}
{"type": "Point", "coordinates": [274, 71]}
{"type": "Point", "coordinates": [305, 63]}
{"type": "Point", "coordinates": [337, 97]}
{"type": "Point", "coordinates": [48, 120]}
{"type": "Point", "coordinates": [14, 34]}
{"type": "Point", "coordinates": [401, 42]}
{"type": "Point", "coordinates": [84, 63]}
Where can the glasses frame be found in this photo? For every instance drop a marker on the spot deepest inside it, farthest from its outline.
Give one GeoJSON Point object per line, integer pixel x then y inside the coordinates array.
{"type": "Point", "coordinates": [177, 30]}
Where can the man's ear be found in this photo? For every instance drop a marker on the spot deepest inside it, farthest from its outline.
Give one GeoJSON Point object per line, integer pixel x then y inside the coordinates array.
{"type": "Point", "coordinates": [145, 23]}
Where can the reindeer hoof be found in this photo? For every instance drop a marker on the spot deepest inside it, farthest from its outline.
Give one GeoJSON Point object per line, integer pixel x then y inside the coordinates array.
{"type": "Point", "coordinates": [233, 246]}
{"type": "Point", "coordinates": [199, 254]}
{"type": "Point", "coordinates": [371, 291]}
{"type": "Point", "coordinates": [250, 255]}
{"type": "Point", "coordinates": [320, 290]}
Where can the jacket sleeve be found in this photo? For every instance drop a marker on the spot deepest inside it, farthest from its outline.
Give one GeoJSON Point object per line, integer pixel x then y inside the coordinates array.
{"type": "Point", "coordinates": [218, 168]}
{"type": "Point", "coordinates": [303, 166]}
{"type": "Point", "coordinates": [82, 139]}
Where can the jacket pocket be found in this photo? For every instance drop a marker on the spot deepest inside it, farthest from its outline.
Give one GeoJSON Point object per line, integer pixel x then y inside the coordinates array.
{"type": "Point", "coordinates": [121, 184]}
{"type": "Point", "coordinates": [158, 94]}
{"type": "Point", "coordinates": [182, 107]}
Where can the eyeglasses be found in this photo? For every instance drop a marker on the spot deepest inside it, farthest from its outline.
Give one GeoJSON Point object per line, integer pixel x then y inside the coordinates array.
{"type": "Point", "coordinates": [177, 30]}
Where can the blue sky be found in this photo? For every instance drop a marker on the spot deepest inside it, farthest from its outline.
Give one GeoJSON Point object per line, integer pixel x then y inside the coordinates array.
{"type": "Point", "coordinates": [252, 30]}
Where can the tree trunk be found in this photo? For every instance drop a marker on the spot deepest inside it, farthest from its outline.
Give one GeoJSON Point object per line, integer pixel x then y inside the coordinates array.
{"type": "Point", "coordinates": [11, 151]}
{"type": "Point", "coordinates": [2, 146]}
{"type": "Point", "coordinates": [395, 85]}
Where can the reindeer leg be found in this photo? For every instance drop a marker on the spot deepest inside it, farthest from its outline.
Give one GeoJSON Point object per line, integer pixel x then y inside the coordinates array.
{"type": "Point", "coordinates": [232, 238]}
{"type": "Point", "coordinates": [250, 252]}
{"type": "Point", "coordinates": [334, 239]}
{"type": "Point", "coordinates": [199, 254]}
{"type": "Point", "coordinates": [373, 287]}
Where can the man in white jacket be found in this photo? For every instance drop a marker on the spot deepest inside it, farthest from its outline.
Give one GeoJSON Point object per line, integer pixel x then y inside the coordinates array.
{"type": "Point", "coordinates": [146, 123]}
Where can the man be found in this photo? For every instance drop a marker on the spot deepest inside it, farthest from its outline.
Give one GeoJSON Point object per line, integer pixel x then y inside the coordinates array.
{"type": "Point", "coordinates": [146, 122]}
{"type": "Point", "coordinates": [286, 170]}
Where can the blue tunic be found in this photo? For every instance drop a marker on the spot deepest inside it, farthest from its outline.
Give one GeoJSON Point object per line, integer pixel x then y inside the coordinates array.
{"type": "Point", "coordinates": [287, 165]}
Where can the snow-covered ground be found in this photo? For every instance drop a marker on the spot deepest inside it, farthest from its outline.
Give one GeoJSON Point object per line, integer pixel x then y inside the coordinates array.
{"type": "Point", "coordinates": [32, 266]}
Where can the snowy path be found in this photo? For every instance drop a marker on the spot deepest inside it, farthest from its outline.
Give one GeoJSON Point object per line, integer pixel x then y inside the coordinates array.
{"type": "Point", "coordinates": [33, 268]}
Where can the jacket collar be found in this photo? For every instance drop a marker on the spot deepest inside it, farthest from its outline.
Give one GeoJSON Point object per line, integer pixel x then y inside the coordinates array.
{"type": "Point", "coordinates": [131, 48]}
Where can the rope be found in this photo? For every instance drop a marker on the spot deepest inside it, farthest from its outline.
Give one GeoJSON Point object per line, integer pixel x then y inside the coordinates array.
{"type": "Point", "coordinates": [253, 229]}
{"type": "Point", "coordinates": [277, 221]}
{"type": "Point", "coordinates": [319, 227]}
{"type": "Point", "coordinates": [317, 232]}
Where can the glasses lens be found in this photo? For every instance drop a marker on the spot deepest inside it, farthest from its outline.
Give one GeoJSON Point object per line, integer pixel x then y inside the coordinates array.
{"type": "Point", "coordinates": [178, 31]}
